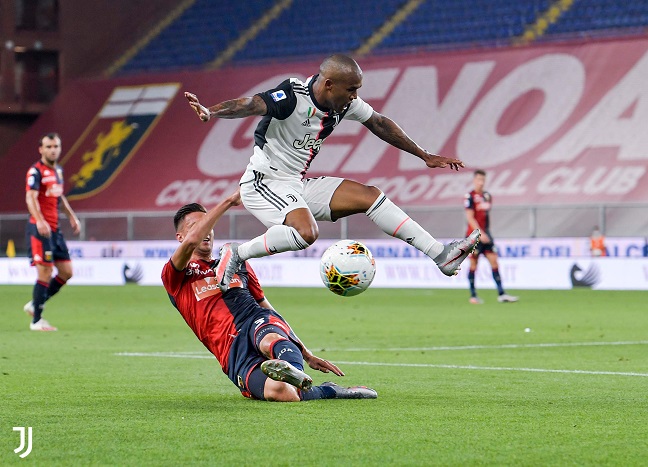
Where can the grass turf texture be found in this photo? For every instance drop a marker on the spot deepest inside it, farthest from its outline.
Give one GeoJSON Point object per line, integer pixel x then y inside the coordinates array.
{"type": "Point", "coordinates": [88, 405]}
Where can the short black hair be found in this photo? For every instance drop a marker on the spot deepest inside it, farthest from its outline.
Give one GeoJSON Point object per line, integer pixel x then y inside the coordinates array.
{"type": "Point", "coordinates": [480, 172]}
{"type": "Point", "coordinates": [186, 209]}
{"type": "Point", "coordinates": [50, 135]}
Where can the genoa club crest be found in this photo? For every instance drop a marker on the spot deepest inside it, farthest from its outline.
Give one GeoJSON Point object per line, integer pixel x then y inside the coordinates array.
{"type": "Point", "coordinates": [122, 124]}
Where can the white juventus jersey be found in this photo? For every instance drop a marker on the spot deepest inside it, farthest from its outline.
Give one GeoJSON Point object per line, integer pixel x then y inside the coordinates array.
{"type": "Point", "coordinates": [291, 134]}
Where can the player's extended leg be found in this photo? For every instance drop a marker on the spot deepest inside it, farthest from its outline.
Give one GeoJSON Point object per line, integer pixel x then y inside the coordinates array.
{"type": "Point", "coordinates": [298, 232]}
{"type": "Point", "coordinates": [63, 275]}
{"type": "Point", "coordinates": [280, 207]}
{"type": "Point", "coordinates": [39, 297]}
{"type": "Point", "coordinates": [474, 261]}
{"type": "Point", "coordinates": [502, 295]}
{"type": "Point", "coordinates": [353, 198]}
{"type": "Point", "coordinates": [287, 381]}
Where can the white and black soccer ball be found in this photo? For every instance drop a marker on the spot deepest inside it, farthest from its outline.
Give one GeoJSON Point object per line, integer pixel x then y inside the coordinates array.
{"type": "Point", "coordinates": [347, 268]}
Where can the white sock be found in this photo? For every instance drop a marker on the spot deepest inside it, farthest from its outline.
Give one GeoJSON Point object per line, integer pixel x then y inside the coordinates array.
{"type": "Point", "coordinates": [277, 239]}
{"type": "Point", "coordinates": [393, 221]}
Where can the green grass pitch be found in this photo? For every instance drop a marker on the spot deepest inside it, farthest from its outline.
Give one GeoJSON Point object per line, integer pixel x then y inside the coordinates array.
{"type": "Point", "coordinates": [458, 384]}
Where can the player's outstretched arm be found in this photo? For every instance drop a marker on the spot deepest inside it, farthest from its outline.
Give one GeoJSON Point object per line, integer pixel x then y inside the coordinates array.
{"type": "Point", "coordinates": [201, 229]}
{"type": "Point", "coordinates": [389, 131]}
{"type": "Point", "coordinates": [234, 108]}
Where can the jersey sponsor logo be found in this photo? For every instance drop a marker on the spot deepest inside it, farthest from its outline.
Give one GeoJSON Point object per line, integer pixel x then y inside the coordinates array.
{"type": "Point", "coordinates": [278, 96]}
{"type": "Point", "coordinates": [54, 191]}
{"type": "Point", "coordinates": [205, 287]}
{"type": "Point", "coordinates": [116, 132]}
{"type": "Point", "coordinates": [308, 143]}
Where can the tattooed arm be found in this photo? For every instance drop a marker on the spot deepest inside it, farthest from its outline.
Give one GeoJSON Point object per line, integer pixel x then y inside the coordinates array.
{"type": "Point", "coordinates": [235, 108]}
{"type": "Point", "coordinates": [389, 131]}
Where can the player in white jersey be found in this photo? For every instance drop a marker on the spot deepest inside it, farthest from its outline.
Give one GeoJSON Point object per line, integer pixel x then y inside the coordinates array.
{"type": "Point", "coordinates": [297, 117]}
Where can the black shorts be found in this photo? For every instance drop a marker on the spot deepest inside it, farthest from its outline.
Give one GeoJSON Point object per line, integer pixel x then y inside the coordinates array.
{"type": "Point", "coordinates": [244, 356]}
{"type": "Point", "coordinates": [483, 248]}
{"type": "Point", "coordinates": [43, 250]}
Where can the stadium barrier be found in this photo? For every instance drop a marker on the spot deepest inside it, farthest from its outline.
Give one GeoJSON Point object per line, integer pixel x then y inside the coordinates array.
{"type": "Point", "coordinates": [606, 273]}
{"type": "Point", "coordinates": [569, 247]}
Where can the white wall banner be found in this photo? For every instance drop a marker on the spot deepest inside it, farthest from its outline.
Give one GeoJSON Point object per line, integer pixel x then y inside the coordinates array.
{"type": "Point", "coordinates": [286, 271]}
{"type": "Point", "coordinates": [621, 247]}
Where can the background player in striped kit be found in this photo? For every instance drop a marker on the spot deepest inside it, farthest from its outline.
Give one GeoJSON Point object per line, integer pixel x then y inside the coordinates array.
{"type": "Point", "coordinates": [297, 117]}
{"type": "Point", "coordinates": [45, 241]}
{"type": "Point", "coordinates": [478, 204]}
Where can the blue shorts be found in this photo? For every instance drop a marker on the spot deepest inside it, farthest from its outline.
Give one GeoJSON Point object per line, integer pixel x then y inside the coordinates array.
{"type": "Point", "coordinates": [244, 355]}
{"type": "Point", "coordinates": [43, 250]}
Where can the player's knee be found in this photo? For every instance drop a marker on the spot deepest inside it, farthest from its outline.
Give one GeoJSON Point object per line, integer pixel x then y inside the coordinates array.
{"type": "Point", "coordinates": [308, 233]}
{"type": "Point", "coordinates": [373, 191]}
{"type": "Point", "coordinates": [277, 391]}
{"type": "Point", "coordinates": [369, 196]}
{"type": "Point", "coordinates": [44, 272]}
{"type": "Point", "coordinates": [265, 346]}
{"type": "Point", "coordinates": [66, 275]}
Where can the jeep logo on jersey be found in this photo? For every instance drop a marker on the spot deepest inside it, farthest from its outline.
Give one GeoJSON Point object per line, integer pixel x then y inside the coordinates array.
{"type": "Point", "coordinates": [120, 127]}
{"type": "Point", "coordinates": [308, 143]}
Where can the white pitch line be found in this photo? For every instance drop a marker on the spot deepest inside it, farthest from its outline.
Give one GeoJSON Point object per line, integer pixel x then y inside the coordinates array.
{"type": "Point", "coordinates": [414, 349]}
{"type": "Point", "coordinates": [165, 354]}
{"type": "Point", "coordinates": [479, 347]}
{"type": "Point", "coordinates": [497, 368]}
{"type": "Point", "coordinates": [412, 365]}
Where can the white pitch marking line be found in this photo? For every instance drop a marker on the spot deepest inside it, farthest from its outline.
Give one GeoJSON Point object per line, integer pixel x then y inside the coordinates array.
{"type": "Point", "coordinates": [165, 354]}
{"type": "Point", "coordinates": [413, 365]}
{"type": "Point", "coordinates": [479, 347]}
{"type": "Point", "coordinates": [496, 368]}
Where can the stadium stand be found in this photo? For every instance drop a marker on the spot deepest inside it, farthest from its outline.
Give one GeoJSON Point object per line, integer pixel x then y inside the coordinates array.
{"type": "Point", "coordinates": [599, 15]}
{"type": "Point", "coordinates": [197, 36]}
{"type": "Point", "coordinates": [294, 34]}
{"type": "Point", "coordinates": [207, 28]}
{"type": "Point", "coordinates": [463, 22]}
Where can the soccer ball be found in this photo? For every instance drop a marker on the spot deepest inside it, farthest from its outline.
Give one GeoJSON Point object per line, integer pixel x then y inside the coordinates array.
{"type": "Point", "coordinates": [347, 268]}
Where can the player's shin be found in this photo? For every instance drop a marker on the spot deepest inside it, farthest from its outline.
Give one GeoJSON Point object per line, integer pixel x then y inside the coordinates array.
{"type": "Point", "coordinates": [54, 286]}
{"type": "Point", "coordinates": [317, 392]}
{"type": "Point", "coordinates": [393, 221]}
{"type": "Point", "coordinates": [287, 350]}
{"type": "Point", "coordinates": [498, 281]}
{"type": "Point", "coordinates": [277, 239]}
{"type": "Point", "coordinates": [471, 281]}
{"type": "Point", "coordinates": [39, 297]}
